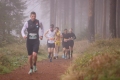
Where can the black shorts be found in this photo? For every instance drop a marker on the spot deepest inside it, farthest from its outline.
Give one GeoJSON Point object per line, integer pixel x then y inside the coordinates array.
{"type": "Point", "coordinates": [71, 43]}
{"type": "Point", "coordinates": [51, 45]}
{"type": "Point", "coordinates": [32, 46]}
{"type": "Point", "coordinates": [65, 45]}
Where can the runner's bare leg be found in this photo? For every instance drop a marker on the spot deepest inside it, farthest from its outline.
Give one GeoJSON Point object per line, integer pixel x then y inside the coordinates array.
{"type": "Point", "coordinates": [34, 58]}
{"type": "Point", "coordinates": [52, 51]}
{"type": "Point", "coordinates": [30, 61]}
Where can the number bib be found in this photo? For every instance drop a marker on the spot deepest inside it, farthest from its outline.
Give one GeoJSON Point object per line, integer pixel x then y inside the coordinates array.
{"type": "Point", "coordinates": [32, 36]}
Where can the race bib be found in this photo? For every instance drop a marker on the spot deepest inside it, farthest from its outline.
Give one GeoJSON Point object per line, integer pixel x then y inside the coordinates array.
{"type": "Point", "coordinates": [32, 36]}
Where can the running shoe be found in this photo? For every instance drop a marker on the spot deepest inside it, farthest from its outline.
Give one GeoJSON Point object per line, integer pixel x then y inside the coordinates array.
{"type": "Point", "coordinates": [50, 59]}
{"type": "Point", "coordinates": [54, 57]}
{"type": "Point", "coordinates": [49, 56]}
{"type": "Point", "coordinates": [31, 71]}
{"type": "Point", "coordinates": [34, 69]}
{"type": "Point", "coordinates": [63, 56]}
{"type": "Point", "coordinates": [57, 57]}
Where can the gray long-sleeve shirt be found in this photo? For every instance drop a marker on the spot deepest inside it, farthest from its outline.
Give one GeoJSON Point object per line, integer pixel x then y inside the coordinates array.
{"type": "Point", "coordinates": [41, 31]}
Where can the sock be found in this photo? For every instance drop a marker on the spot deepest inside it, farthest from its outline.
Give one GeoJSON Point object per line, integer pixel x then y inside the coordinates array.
{"type": "Point", "coordinates": [68, 52]}
{"type": "Point", "coordinates": [71, 52]}
{"type": "Point", "coordinates": [54, 54]}
{"type": "Point", "coordinates": [64, 53]}
{"type": "Point", "coordinates": [34, 64]}
{"type": "Point", "coordinates": [49, 54]}
{"type": "Point", "coordinates": [31, 67]}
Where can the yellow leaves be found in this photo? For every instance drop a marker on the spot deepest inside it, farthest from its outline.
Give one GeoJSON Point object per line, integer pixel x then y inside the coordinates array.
{"type": "Point", "coordinates": [100, 61]}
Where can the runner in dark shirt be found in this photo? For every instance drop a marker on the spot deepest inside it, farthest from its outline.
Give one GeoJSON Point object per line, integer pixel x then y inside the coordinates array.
{"type": "Point", "coordinates": [72, 37]}
{"type": "Point", "coordinates": [65, 43]}
{"type": "Point", "coordinates": [32, 39]}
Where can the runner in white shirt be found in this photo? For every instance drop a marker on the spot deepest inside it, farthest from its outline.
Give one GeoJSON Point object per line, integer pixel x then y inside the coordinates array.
{"type": "Point", "coordinates": [50, 35]}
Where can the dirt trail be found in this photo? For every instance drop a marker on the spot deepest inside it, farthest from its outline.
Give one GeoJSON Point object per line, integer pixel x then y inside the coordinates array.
{"type": "Point", "coordinates": [46, 70]}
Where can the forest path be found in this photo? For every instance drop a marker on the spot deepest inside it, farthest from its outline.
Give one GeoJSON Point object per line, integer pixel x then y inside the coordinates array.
{"type": "Point", "coordinates": [46, 70]}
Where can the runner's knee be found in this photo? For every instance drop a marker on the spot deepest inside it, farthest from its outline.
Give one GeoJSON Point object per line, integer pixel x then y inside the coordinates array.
{"type": "Point", "coordinates": [52, 49]}
{"type": "Point", "coordinates": [34, 54]}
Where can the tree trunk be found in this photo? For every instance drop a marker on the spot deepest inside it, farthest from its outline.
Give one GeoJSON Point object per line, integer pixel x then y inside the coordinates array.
{"type": "Point", "coordinates": [113, 18]}
{"type": "Point", "coordinates": [91, 21]}
{"type": "Point", "coordinates": [118, 19]}
{"type": "Point", "coordinates": [73, 15]}
{"type": "Point", "coordinates": [104, 19]}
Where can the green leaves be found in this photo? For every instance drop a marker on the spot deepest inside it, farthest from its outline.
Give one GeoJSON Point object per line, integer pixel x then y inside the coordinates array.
{"type": "Point", "coordinates": [11, 17]}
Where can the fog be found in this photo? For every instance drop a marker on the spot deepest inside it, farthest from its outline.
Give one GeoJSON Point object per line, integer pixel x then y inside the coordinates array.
{"type": "Point", "coordinates": [89, 19]}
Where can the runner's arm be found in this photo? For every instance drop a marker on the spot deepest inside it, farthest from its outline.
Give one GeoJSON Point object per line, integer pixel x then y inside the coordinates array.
{"type": "Point", "coordinates": [59, 34]}
{"type": "Point", "coordinates": [65, 39]}
{"type": "Point", "coordinates": [69, 37]}
{"type": "Point", "coordinates": [74, 36]}
{"type": "Point", "coordinates": [41, 30]}
{"type": "Point", "coordinates": [46, 34]}
{"type": "Point", "coordinates": [23, 29]}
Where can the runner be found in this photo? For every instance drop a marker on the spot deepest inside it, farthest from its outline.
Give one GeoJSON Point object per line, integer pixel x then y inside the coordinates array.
{"type": "Point", "coordinates": [71, 42]}
{"type": "Point", "coordinates": [65, 43]}
{"type": "Point", "coordinates": [57, 42]}
{"type": "Point", "coordinates": [50, 35]}
{"type": "Point", "coordinates": [32, 26]}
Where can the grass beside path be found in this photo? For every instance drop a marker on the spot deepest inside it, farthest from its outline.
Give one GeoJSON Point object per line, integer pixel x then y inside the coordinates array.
{"type": "Point", "coordinates": [15, 55]}
{"type": "Point", "coordinates": [101, 61]}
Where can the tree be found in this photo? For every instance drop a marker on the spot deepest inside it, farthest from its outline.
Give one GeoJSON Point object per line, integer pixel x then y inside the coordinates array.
{"type": "Point", "coordinates": [91, 21]}
{"type": "Point", "coordinates": [113, 18]}
{"type": "Point", "coordinates": [73, 15]}
{"type": "Point", "coordinates": [11, 16]}
{"type": "Point", "coordinates": [118, 19]}
{"type": "Point", "coordinates": [104, 20]}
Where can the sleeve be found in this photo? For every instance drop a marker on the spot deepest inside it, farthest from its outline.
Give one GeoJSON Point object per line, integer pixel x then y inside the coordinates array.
{"type": "Point", "coordinates": [68, 35]}
{"type": "Point", "coordinates": [62, 34]}
{"type": "Point", "coordinates": [74, 36]}
{"type": "Point", "coordinates": [41, 29]}
{"type": "Point", "coordinates": [24, 28]}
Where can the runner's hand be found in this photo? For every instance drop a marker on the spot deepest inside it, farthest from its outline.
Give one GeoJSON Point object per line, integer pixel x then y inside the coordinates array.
{"type": "Point", "coordinates": [65, 40]}
{"type": "Point", "coordinates": [41, 37]}
{"type": "Point", "coordinates": [51, 38]}
{"type": "Point", "coordinates": [72, 38]}
{"type": "Point", "coordinates": [25, 37]}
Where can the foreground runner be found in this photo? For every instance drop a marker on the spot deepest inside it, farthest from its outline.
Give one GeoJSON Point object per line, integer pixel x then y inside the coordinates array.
{"type": "Point", "coordinates": [57, 42]}
{"type": "Point", "coordinates": [32, 26]}
{"type": "Point", "coordinates": [71, 41]}
{"type": "Point", "coordinates": [65, 43]}
{"type": "Point", "coordinates": [50, 35]}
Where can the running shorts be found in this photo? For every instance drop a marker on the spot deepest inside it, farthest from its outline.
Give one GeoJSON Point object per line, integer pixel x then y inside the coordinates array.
{"type": "Point", "coordinates": [65, 45]}
{"type": "Point", "coordinates": [32, 46]}
{"type": "Point", "coordinates": [51, 45]}
{"type": "Point", "coordinates": [71, 43]}
{"type": "Point", "coordinates": [57, 43]}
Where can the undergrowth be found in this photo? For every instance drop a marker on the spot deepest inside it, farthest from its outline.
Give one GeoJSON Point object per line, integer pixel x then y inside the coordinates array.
{"type": "Point", "coordinates": [15, 55]}
{"type": "Point", "coordinates": [101, 61]}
